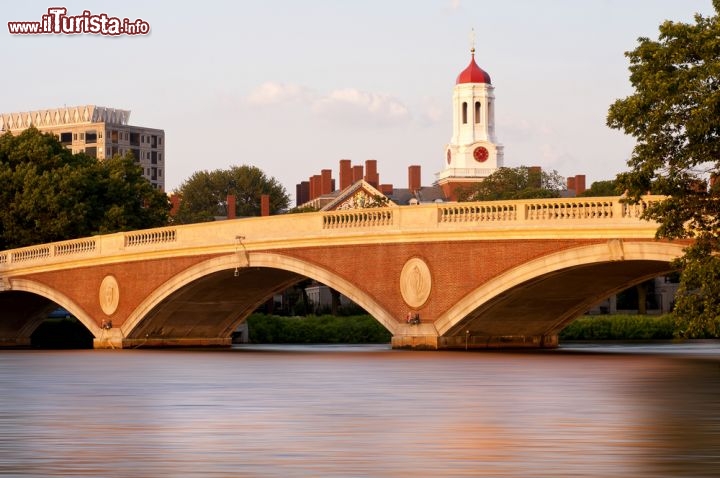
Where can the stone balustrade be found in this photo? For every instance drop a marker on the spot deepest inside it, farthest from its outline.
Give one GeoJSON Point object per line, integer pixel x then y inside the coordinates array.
{"type": "Point", "coordinates": [497, 217]}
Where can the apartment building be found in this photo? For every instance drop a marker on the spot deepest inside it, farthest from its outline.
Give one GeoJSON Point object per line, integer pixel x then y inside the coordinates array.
{"type": "Point", "coordinates": [98, 131]}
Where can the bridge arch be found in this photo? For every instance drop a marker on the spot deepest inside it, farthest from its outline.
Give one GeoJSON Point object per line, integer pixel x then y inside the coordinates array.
{"type": "Point", "coordinates": [62, 300]}
{"type": "Point", "coordinates": [256, 260]}
{"type": "Point", "coordinates": [614, 251]}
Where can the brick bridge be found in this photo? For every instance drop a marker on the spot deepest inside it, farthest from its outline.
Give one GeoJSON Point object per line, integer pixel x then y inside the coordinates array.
{"type": "Point", "coordinates": [493, 274]}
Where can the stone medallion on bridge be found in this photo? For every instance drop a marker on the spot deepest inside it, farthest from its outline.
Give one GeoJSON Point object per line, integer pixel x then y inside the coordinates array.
{"type": "Point", "coordinates": [109, 295]}
{"type": "Point", "coordinates": [415, 282]}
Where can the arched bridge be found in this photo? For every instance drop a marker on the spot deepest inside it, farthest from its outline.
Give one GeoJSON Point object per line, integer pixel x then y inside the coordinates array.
{"type": "Point", "coordinates": [477, 275]}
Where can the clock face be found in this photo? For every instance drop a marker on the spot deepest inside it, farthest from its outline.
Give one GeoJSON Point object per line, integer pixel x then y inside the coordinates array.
{"type": "Point", "coordinates": [449, 156]}
{"type": "Point", "coordinates": [480, 154]}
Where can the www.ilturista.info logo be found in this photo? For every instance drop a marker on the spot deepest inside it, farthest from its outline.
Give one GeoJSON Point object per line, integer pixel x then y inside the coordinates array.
{"type": "Point", "coordinates": [58, 22]}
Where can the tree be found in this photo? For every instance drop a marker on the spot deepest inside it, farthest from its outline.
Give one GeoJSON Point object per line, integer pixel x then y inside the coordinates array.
{"type": "Point", "coordinates": [674, 115]}
{"type": "Point", "coordinates": [204, 194]}
{"type": "Point", "coordinates": [50, 194]}
{"type": "Point", "coordinates": [602, 188]}
{"type": "Point", "coordinates": [515, 183]}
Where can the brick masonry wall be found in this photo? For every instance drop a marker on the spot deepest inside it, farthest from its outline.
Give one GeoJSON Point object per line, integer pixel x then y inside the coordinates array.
{"type": "Point", "coordinates": [456, 268]}
{"type": "Point", "coordinates": [136, 280]}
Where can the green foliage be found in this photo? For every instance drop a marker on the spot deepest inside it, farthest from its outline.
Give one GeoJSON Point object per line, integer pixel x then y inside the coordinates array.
{"type": "Point", "coordinates": [620, 327]}
{"type": "Point", "coordinates": [300, 210]}
{"type": "Point", "coordinates": [204, 194]}
{"type": "Point", "coordinates": [674, 114]}
{"type": "Point", "coordinates": [50, 194]}
{"type": "Point", "coordinates": [515, 183]}
{"type": "Point", "coordinates": [602, 189]}
{"type": "Point", "coordinates": [363, 329]}
{"type": "Point", "coordinates": [697, 302]}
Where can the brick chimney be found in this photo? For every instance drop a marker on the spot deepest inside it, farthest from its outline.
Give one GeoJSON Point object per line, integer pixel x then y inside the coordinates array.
{"type": "Point", "coordinates": [571, 184]}
{"type": "Point", "coordinates": [315, 186]}
{"type": "Point", "coordinates": [175, 204]}
{"type": "Point", "coordinates": [579, 184]}
{"type": "Point", "coordinates": [535, 177]}
{"type": "Point", "coordinates": [326, 181]}
{"type": "Point", "coordinates": [371, 175]}
{"type": "Point", "coordinates": [302, 193]}
{"type": "Point", "coordinates": [231, 206]}
{"type": "Point", "coordinates": [265, 205]}
{"type": "Point", "coordinates": [357, 173]}
{"type": "Point", "coordinates": [414, 178]}
{"type": "Point", "coordinates": [346, 173]}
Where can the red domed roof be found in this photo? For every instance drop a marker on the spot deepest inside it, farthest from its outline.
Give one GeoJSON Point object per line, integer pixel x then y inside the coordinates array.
{"type": "Point", "coordinates": [473, 74]}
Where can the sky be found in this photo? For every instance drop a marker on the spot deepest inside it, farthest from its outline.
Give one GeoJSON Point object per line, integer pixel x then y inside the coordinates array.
{"type": "Point", "coordinates": [292, 87]}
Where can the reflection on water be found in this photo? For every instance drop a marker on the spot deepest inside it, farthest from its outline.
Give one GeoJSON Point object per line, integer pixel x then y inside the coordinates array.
{"type": "Point", "coordinates": [361, 411]}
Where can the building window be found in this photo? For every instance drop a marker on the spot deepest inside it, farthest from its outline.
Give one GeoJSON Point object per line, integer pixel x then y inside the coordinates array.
{"type": "Point", "coordinates": [74, 136]}
{"type": "Point", "coordinates": [90, 137]}
{"type": "Point", "coordinates": [100, 134]}
{"type": "Point", "coordinates": [159, 172]}
{"type": "Point", "coordinates": [464, 113]}
{"type": "Point", "coordinates": [82, 136]}
{"type": "Point", "coordinates": [477, 112]}
{"type": "Point", "coordinates": [66, 138]}
{"type": "Point", "coordinates": [159, 156]}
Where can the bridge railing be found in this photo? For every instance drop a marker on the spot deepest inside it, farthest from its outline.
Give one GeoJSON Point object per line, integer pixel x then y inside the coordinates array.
{"type": "Point", "coordinates": [583, 209]}
{"type": "Point", "coordinates": [292, 230]}
{"type": "Point", "coordinates": [150, 236]}
{"type": "Point", "coordinates": [358, 218]}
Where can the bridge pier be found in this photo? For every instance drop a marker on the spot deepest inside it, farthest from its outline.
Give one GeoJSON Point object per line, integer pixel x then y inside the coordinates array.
{"type": "Point", "coordinates": [160, 342]}
{"type": "Point", "coordinates": [113, 339]}
{"type": "Point", "coordinates": [416, 337]}
{"type": "Point", "coordinates": [425, 337]}
{"type": "Point", "coordinates": [13, 342]}
{"type": "Point", "coordinates": [108, 339]}
{"type": "Point", "coordinates": [469, 341]}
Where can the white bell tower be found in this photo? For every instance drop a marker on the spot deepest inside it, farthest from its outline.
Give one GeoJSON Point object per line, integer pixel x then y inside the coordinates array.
{"type": "Point", "coordinates": [473, 152]}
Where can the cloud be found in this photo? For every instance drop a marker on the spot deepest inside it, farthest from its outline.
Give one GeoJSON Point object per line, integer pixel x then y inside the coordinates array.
{"type": "Point", "coordinates": [347, 106]}
{"type": "Point", "coordinates": [271, 93]}
{"type": "Point", "coordinates": [357, 107]}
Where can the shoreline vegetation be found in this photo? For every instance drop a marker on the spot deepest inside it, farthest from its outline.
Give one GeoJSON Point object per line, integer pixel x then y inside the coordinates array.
{"type": "Point", "coordinates": [363, 329]}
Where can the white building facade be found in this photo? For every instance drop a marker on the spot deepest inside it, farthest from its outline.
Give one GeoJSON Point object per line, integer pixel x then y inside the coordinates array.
{"type": "Point", "coordinates": [473, 152]}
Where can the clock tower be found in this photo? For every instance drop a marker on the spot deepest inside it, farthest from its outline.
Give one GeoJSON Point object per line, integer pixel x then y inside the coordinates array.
{"type": "Point", "coordinates": [473, 152]}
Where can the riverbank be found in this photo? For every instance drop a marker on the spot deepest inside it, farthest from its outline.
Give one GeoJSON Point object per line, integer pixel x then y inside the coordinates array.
{"type": "Point", "coordinates": [363, 329]}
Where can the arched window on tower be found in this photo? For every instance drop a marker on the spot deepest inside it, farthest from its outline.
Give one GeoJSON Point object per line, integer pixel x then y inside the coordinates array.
{"type": "Point", "coordinates": [464, 113]}
{"type": "Point", "coordinates": [477, 112]}
{"type": "Point", "coordinates": [491, 123]}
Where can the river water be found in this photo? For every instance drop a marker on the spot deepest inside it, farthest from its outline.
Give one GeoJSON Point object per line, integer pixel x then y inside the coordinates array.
{"type": "Point", "coordinates": [578, 411]}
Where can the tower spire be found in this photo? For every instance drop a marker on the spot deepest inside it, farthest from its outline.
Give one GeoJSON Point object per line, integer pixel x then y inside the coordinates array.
{"type": "Point", "coordinates": [472, 42]}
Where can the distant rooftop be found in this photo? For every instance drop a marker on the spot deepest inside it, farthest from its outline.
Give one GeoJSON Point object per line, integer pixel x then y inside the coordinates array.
{"type": "Point", "coordinates": [67, 115]}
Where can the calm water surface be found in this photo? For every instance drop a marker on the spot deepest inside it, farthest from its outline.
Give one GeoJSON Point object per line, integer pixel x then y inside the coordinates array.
{"type": "Point", "coordinates": [606, 411]}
